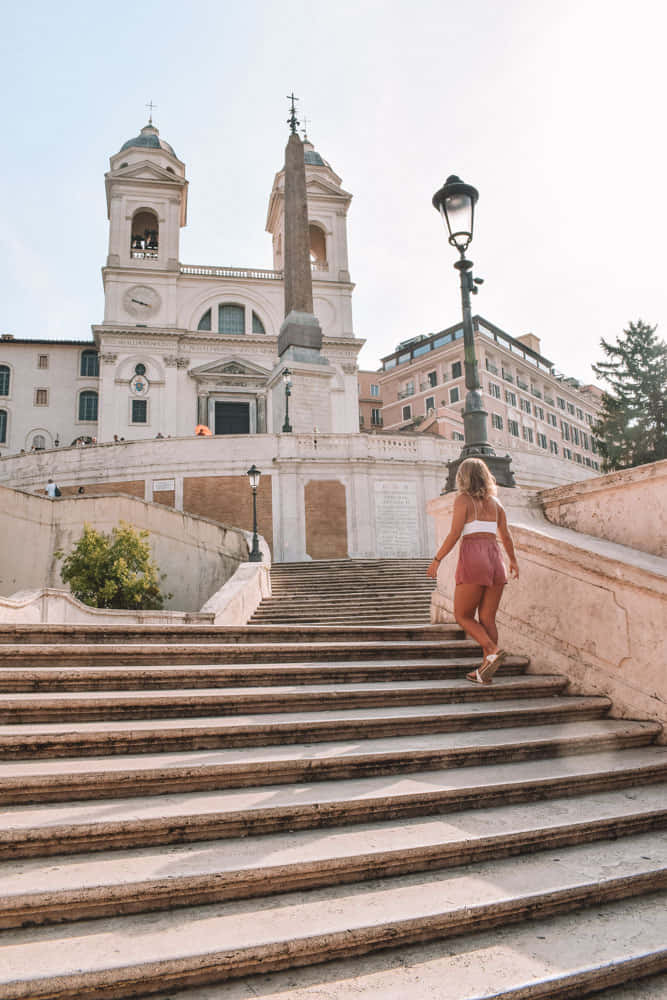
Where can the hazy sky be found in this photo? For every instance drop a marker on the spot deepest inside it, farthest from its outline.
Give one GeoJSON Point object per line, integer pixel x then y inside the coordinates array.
{"type": "Point", "coordinates": [553, 109]}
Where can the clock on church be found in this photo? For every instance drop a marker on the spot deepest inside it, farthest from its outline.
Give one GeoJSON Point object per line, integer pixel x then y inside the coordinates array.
{"type": "Point", "coordinates": [141, 300]}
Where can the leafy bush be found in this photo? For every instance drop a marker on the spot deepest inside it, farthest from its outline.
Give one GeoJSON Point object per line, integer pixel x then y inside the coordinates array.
{"type": "Point", "coordinates": [114, 570]}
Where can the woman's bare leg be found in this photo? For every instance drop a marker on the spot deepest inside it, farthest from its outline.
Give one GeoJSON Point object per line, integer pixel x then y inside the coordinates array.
{"type": "Point", "coordinates": [467, 598]}
{"type": "Point", "coordinates": [488, 607]}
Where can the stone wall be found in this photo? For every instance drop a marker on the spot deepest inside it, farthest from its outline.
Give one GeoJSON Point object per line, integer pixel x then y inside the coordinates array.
{"type": "Point", "coordinates": [387, 482]}
{"type": "Point", "coordinates": [628, 507]}
{"type": "Point", "coordinates": [198, 556]}
{"type": "Point", "coordinates": [587, 608]}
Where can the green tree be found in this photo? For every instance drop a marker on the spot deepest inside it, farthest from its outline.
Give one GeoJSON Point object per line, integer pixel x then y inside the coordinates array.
{"type": "Point", "coordinates": [632, 428]}
{"type": "Point", "coordinates": [114, 570]}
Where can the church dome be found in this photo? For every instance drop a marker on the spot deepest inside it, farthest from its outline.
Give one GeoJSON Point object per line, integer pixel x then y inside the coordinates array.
{"type": "Point", "coordinates": [149, 137]}
{"type": "Point", "coordinates": [311, 157]}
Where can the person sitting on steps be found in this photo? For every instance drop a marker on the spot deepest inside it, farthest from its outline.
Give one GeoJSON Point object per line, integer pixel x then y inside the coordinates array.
{"type": "Point", "coordinates": [480, 574]}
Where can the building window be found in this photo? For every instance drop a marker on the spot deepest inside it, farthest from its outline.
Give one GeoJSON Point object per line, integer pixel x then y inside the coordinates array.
{"type": "Point", "coordinates": [497, 421]}
{"type": "Point", "coordinates": [587, 461]}
{"type": "Point", "coordinates": [567, 453]}
{"type": "Point", "coordinates": [577, 457]}
{"type": "Point", "coordinates": [430, 403]}
{"type": "Point", "coordinates": [4, 380]}
{"type": "Point", "coordinates": [584, 440]}
{"type": "Point", "coordinates": [553, 447]}
{"type": "Point", "coordinates": [376, 417]}
{"type": "Point", "coordinates": [139, 411]}
{"type": "Point", "coordinates": [552, 419]}
{"type": "Point", "coordinates": [41, 397]}
{"type": "Point", "coordinates": [454, 394]}
{"type": "Point", "coordinates": [561, 402]}
{"type": "Point", "coordinates": [510, 397]}
{"type": "Point", "coordinates": [88, 405]}
{"type": "Point", "coordinates": [513, 428]}
{"type": "Point", "coordinates": [90, 364]}
{"type": "Point", "coordinates": [375, 390]}
{"type": "Point", "coordinates": [42, 361]}
{"type": "Point", "coordinates": [565, 430]}
{"type": "Point", "coordinates": [494, 390]}
{"type": "Point", "coordinates": [525, 405]}
{"type": "Point", "coordinates": [231, 319]}
{"type": "Point", "coordinates": [539, 412]}
{"type": "Point", "coordinates": [39, 442]}
{"type": "Point", "coordinates": [407, 412]}
{"type": "Point", "coordinates": [257, 325]}
{"type": "Point", "coordinates": [3, 426]}
{"type": "Point", "coordinates": [144, 235]}
{"type": "Point", "coordinates": [409, 389]}
{"type": "Point", "coordinates": [432, 379]}
{"type": "Point", "coordinates": [570, 409]}
{"type": "Point", "coordinates": [457, 436]}
{"type": "Point", "coordinates": [575, 435]}
{"type": "Point", "coordinates": [456, 369]}
{"type": "Point", "coordinates": [580, 414]}
{"type": "Point", "coordinates": [542, 440]}
{"type": "Point", "coordinates": [528, 435]}
{"type": "Point", "coordinates": [205, 321]}
{"type": "Point", "coordinates": [596, 466]}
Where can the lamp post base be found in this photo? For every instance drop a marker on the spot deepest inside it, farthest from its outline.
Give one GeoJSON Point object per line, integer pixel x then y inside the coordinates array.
{"type": "Point", "coordinates": [500, 467]}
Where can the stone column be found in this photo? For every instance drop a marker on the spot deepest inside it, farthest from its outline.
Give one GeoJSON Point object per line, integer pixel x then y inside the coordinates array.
{"type": "Point", "coordinates": [300, 336]}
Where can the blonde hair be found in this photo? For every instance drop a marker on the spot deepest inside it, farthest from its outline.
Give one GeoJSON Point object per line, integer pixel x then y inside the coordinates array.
{"type": "Point", "coordinates": [473, 477]}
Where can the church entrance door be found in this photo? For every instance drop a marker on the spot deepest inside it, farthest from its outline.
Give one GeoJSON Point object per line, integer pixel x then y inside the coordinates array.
{"type": "Point", "coordinates": [232, 418]}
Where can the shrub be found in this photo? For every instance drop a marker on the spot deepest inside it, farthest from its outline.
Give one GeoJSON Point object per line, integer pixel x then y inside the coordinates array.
{"type": "Point", "coordinates": [114, 570]}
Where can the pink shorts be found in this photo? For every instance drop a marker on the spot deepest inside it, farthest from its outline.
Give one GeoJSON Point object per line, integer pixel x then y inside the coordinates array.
{"type": "Point", "coordinates": [480, 562]}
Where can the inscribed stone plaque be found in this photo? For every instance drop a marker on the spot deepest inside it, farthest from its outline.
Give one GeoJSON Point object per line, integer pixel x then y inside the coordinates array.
{"type": "Point", "coordinates": [396, 519]}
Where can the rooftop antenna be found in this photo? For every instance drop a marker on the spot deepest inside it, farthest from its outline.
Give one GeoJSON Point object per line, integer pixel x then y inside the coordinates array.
{"type": "Point", "coordinates": [304, 130]}
{"type": "Point", "coordinates": [150, 116]}
{"type": "Point", "coordinates": [293, 121]}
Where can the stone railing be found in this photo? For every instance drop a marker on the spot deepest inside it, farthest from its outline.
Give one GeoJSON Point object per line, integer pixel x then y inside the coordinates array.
{"type": "Point", "coordinates": [254, 274]}
{"type": "Point", "coordinates": [626, 507]}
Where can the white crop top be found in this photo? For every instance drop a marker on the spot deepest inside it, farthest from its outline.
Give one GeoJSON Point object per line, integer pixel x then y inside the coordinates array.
{"type": "Point", "coordinates": [470, 527]}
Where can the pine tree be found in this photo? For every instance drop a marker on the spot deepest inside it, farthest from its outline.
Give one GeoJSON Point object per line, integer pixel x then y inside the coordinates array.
{"type": "Point", "coordinates": [632, 428]}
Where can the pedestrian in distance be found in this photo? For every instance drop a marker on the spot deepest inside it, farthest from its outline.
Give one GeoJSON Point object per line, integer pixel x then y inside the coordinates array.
{"type": "Point", "coordinates": [477, 519]}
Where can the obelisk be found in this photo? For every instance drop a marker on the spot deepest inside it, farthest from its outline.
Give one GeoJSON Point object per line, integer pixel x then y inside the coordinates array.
{"type": "Point", "coordinates": [300, 336]}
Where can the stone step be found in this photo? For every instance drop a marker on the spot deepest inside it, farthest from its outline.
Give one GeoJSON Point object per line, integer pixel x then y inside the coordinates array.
{"type": "Point", "coordinates": [161, 774]}
{"type": "Point", "coordinates": [11, 635]}
{"type": "Point", "coordinates": [118, 654]}
{"type": "Point", "coordinates": [66, 888]}
{"type": "Point", "coordinates": [196, 945]}
{"type": "Point", "coordinates": [584, 953]}
{"type": "Point", "coordinates": [90, 706]}
{"type": "Point", "coordinates": [73, 827]}
{"type": "Point", "coordinates": [173, 677]}
{"type": "Point", "coordinates": [107, 738]}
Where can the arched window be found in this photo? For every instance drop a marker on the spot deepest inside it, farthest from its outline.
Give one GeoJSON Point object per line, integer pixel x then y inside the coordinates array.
{"type": "Point", "coordinates": [90, 364]}
{"type": "Point", "coordinates": [145, 235]}
{"type": "Point", "coordinates": [3, 426]}
{"type": "Point", "coordinates": [88, 405]}
{"type": "Point", "coordinates": [318, 249]}
{"type": "Point", "coordinates": [231, 319]}
{"type": "Point", "coordinates": [257, 325]}
{"type": "Point", "coordinates": [4, 380]}
{"type": "Point", "coordinates": [39, 442]}
{"type": "Point", "coordinates": [205, 321]}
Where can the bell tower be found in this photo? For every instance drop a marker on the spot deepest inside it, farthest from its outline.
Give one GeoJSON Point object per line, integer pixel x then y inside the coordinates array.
{"type": "Point", "coordinates": [146, 191]}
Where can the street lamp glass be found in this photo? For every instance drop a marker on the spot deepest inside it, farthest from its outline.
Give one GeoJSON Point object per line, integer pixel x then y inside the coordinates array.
{"type": "Point", "coordinates": [456, 203]}
{"type": "Point", "coordinates": [286, 375]}
{"type": "Point", "coordinates": [253, 476]}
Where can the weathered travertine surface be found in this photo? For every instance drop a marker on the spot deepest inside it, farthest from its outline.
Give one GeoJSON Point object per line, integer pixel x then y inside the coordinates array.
{"type": "Point", "coordinates": [628, 507]}
{"type": "Point", "coordinates": [590, 609]}
{"type": "Point", "coordinates": [197, 556]}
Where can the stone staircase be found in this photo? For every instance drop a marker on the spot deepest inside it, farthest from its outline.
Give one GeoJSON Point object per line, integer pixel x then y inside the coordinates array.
{"type": "Point", "coordinates": [319, 812]}
{"type": "Point", "coordinates": [341, 591]}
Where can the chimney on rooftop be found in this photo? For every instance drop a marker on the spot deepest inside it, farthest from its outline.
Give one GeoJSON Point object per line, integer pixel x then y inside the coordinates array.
{"type": "Point", "coordinates": [531, 341]}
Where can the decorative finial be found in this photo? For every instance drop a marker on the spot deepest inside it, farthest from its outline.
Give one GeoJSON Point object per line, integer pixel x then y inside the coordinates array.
{"type": "Point", "coordinates": [304, 130]}
{"type": "Point", "coordinates": [293, 121]}
{"type": "Point", "coordinates": [150, 116]}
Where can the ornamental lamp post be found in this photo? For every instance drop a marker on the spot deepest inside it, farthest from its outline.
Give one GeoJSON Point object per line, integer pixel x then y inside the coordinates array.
{"type": "Point", "coordinates": [456, 203]}
{"type": "Point", "coordinates": [287, 427]}
{"type": "Point", "coordinates": [253, 476]}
